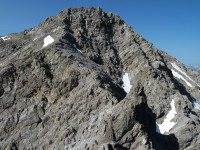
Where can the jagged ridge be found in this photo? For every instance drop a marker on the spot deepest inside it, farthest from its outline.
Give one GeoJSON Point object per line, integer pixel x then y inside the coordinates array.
{"type": "Point", "coordinates": [66, 92]}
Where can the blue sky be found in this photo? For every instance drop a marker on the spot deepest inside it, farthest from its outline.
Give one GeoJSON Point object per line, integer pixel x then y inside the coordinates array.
{"type": "Point", "coordinates": [171, 25]}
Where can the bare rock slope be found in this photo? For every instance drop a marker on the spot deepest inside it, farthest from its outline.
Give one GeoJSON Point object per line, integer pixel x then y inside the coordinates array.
{"type": "Point", "coordinates": [84, 79]}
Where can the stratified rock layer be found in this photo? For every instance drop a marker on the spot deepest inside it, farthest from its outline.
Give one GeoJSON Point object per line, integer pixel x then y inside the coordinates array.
{"type": "Point", "coordinates": [61, 87]}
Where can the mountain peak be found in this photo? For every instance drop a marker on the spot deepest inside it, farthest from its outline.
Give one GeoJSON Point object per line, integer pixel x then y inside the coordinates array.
{"type": "Point", "coordinates": [84, 79]}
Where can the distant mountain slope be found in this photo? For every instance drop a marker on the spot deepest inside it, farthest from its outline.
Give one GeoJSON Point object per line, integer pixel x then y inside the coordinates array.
{"type": "Point", "coordinates": [196, 68]}
{"type": "Point", "coordinates": [84, 79]}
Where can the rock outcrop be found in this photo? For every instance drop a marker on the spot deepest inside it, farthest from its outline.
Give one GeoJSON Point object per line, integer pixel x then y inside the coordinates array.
{"type": "Point", "coordinates": [62, 87]}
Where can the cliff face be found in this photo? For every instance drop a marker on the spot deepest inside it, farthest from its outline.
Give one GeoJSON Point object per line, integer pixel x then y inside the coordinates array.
{"type": "Point", "coordinates": [84, 79]}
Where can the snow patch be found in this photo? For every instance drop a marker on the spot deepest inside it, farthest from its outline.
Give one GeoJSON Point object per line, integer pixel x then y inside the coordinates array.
{"type": "Point", "coordinates": [126, 83]}
{"type": "Point", "coordinates": [179, 69]}
{"type": "Point", "coordinates": [77, 48]}
{"type": "Point", "coordinates": [35, 39]}
{"type": "Point", "coordinates": [196, 105]}
{"type": "Point", "coordinates": [48, 40]}
{"type": "Point", "coordinates": [177, 75]}
{"type": "Point", "coordinates": [5, 38]}
{"type": "Point", "coordinates": [167, 123]}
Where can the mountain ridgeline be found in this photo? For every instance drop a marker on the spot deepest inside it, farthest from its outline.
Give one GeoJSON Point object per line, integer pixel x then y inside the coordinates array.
{"type": "Point", "coordinates": [85, 80]}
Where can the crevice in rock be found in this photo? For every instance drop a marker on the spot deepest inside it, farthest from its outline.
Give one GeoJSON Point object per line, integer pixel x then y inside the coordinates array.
{"type": "Point", "coordinates": [110, 147]}
{"type": "Point", "coordinates": [1, 91]}
{"type": "Point", "coordinates": [120, 147]}
{"type": "Point", "coordinates": [14, 146]}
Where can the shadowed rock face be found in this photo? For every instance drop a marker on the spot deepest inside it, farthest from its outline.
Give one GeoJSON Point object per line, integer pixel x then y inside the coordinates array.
{"type": "Point", "coordinates": [61, 87]}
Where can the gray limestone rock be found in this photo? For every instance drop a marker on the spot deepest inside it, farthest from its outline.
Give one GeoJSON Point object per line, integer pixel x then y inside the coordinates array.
{"type": "Point", "coordinates": [62, 87]}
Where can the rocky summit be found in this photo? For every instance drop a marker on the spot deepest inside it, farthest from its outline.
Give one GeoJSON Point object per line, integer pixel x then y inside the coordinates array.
{"type": "Point", "coordinates": [85, 80]}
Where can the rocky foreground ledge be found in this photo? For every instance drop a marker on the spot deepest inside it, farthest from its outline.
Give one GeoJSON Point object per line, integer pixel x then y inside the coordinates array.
{"type": "Point", "coordinates": [85, 80]}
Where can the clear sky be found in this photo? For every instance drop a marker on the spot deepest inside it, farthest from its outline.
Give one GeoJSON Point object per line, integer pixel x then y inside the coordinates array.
{"type": "Point", "coordinates": [171, 25]}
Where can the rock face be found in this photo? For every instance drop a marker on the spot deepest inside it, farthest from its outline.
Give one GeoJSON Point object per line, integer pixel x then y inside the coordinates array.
{"type": "Point", "coordinates": [62, 87]}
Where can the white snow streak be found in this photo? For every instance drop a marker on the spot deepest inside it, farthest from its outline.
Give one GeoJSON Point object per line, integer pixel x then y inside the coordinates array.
{"type": "Point", "coordinates": [167, 123]}
{"type": "Point", "coordinates": [77, 48]}
{"type": "Point", "coordinates": [126, 86]}
{"type": "Point", "coordinates": [48, 40]}
{"type": "Point", "coordinates": [5, 38]}
{"type": "Point", "coordinates": [35, 39]}
{"type": "Point", "coordinates": [177, 75]}
{"type": "Point", "coordinates": [179, 69]}
{"type": "Point", "coordinates": [196, 105]}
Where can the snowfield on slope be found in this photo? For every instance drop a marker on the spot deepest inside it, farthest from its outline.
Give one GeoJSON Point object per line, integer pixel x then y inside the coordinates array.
{"type": "Point", "coordinates": [167, 123]}
{"type": "Point", "coordinates": [177, 75]}
{"type": "Point", "coordinates": [126, 83]}
{"type": "Point", "coordinates": [48, 40]}
{"type": "Point", "coordinates": [181, 71]}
